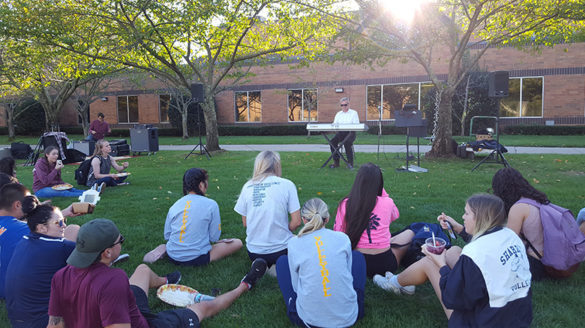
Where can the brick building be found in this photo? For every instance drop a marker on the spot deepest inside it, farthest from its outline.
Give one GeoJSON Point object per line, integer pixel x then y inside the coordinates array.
{"type": "Point", "coordinates": [546, 87]}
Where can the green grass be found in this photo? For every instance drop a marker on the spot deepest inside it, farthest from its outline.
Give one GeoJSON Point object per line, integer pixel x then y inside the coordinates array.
{"type": "Point", "coordinates": [362, 139]}
{"type": "Point", "coordinates": [140, 209]}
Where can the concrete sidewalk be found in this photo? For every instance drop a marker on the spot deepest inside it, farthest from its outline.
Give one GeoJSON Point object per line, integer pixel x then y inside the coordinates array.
{"type": "Point", "coordinates": [374, 148]}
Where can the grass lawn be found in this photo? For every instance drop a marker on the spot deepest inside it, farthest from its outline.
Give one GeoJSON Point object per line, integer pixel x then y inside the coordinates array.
{"type": "Point", "coordinates": [362, 139]}
{"type": "Point", "coordinates": [140, 209]}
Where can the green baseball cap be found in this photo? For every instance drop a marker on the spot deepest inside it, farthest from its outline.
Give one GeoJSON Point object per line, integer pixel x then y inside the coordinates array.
{"type": "Point", "coordinates": [93, 238]}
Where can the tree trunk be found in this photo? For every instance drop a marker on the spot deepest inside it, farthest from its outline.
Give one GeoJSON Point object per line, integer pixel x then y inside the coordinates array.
{"type": "Point", "coordinates": [443, 143]}
{"type": "Point", "coordinates": [85, 120]}
{"type": "Point", "coordinates": [184, 121]}
{"type": "Point", "coordinates": [464, 114]}
{"type": "Point", "coordinates": [10, 121]}
{"type": "Point", "coordinates": [212, 134]}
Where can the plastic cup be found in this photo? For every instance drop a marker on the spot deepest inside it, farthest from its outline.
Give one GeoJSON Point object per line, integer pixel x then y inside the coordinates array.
{"type": "Point", "coordinates": [436, 247]}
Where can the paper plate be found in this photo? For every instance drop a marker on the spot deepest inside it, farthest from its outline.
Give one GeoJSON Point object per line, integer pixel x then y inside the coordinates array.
{"type": "Point", "coordinates": [123, 174]}
{"type": "Point", "coordinates": [63, 186]}
{"type": "Point", "coordinates": [177, 295]}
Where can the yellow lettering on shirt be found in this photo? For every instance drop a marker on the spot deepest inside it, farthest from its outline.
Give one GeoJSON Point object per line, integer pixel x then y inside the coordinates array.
{"type": "Point", "coordinates": [322, 263]}
{"type": "Point", "coordinates": [185, 216]}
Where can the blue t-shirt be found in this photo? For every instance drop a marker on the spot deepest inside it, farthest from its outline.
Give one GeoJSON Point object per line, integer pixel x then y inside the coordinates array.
{"type": "Point", "coordinates": [11, 232]}
{"type": "Point", "coordinates": [36, 259]}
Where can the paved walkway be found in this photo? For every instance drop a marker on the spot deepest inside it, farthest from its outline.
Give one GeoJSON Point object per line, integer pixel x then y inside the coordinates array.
{"type": "Point", "coordinates": [374, 148]}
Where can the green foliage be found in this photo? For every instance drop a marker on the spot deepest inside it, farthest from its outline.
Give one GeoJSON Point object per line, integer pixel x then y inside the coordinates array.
{"type": "Point", "coordinates": [31, 120]}
{"type": "Point", "coordinates": [264, 130]}
{"type": "Point", "coordinates": [554, 130]}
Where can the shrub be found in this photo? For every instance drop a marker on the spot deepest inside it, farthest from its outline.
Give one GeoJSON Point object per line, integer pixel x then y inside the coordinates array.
{"type": "Point", "coordinates": [263, 130]}
{"type": "Point", "coordinates": [387, 129]}
{"type": "Point", "coordinates": [553, 130]}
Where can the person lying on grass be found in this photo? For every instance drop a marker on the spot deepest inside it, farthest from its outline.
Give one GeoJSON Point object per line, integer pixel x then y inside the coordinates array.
{"type": "Point", "coordinates": [321, 279]}
{"type": "Point", "coordinates": [487, 283]}
{"type": "Point", "coordinates": [35, 260]}
{"type": "Point", "coordinates": [88, 292]}
{"type": "Point", "coordinates": [192, 225]}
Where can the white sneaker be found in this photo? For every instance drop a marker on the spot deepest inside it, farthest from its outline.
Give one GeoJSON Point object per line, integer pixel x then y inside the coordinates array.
{"type": "Point", "coordinates": [386, 284]}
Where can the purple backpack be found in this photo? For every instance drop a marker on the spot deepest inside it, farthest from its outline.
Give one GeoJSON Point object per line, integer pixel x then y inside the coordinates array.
{"type": "Point", "coordinates": [564, 243]}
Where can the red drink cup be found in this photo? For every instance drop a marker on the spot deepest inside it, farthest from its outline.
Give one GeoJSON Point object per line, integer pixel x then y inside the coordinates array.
{"type": "Point", "coordinates": [437, 246]}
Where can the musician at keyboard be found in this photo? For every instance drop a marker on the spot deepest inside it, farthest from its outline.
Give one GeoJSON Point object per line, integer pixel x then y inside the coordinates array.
{"type": "Point", "coordinates": [344, 116]}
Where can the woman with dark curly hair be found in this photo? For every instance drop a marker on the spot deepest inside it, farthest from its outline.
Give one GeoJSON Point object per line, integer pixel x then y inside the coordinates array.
{"type": "Point", "coordinates": [524, 219]}
{"type": "Point", "coordinates": [365, 216]}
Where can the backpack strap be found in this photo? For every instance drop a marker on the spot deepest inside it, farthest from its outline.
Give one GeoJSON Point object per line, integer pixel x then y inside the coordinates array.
{"type": "Point", "coordinates": [531, 246]}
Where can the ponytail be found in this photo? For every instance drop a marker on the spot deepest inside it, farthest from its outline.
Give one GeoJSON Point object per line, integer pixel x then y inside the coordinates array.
{"type": "Point", "coordinates": [316, 212]}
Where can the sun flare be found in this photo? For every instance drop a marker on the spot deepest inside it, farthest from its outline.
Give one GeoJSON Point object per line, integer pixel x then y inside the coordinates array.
{"type": "Point", "coordinates": [403, 10]}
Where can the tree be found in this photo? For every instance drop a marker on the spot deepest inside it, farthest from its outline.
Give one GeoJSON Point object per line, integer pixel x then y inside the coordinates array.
{"type": "Point", "coordinates": [211, 42]}
{"type": "Point", "coordinates": [462, 29]}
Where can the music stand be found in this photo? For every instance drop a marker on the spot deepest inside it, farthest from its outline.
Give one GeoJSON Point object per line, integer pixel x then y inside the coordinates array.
{"type": "Point", "coordinates": [416, 126]}
{"type": "Point", "coordinates": [200, 145]}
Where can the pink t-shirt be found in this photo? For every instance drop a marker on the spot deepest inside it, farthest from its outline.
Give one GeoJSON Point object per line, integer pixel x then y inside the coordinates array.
{"type": "Point", "coordinates": [377, 235]}
{"type": "Point", "coordinates": [97, 296]}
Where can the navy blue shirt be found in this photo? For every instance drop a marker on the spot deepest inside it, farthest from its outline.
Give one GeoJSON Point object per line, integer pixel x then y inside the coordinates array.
{"type": "Point", "coordinates": [36, 259]}
{"type": "Point", "coordinates": [11, 232]}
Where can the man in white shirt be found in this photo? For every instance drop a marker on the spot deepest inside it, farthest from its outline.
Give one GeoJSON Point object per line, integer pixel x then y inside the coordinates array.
{"type": "Point", "coordinates": [344, 116]}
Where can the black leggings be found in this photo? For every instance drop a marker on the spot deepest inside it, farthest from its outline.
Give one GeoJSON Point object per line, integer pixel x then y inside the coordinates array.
{"type": "Point", "coordinates": [380, 263]}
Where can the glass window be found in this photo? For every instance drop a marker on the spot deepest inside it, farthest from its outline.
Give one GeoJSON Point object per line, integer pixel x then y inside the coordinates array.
{"type": "Point", "coordinates": [127, 109]}
{"type": "Point", "coordinates": [248, 106]}
{"type": "Point", "coordinates": [389, 98]}
{"type": "Point", "coordinates": [163, 108]}
{"type": "Point", "coordinates": [302, 105]}
{"type": "Point", "coordinates": [524, 99]}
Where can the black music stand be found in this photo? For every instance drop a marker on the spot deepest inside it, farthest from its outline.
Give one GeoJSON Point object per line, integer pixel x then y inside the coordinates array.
{"type": "Point", "coordinates": [416, 126]}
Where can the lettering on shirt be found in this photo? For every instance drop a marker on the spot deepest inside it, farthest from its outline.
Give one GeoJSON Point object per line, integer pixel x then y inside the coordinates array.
{"type": "Point", "coordinates": [184, 225]}
{"type": "Point", "coordinates": [512, 251]}
{"type": "Point", "coordinates": [520, 285]}
{"type": "Point", "coordinates": [323, 265]}
{"type": "Point", "coordinates": [259, 192]}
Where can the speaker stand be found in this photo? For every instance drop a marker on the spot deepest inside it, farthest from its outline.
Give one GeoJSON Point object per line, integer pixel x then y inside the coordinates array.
{"type": "Point", "coordinates": [496, 154]}
{"type": "Point", "coordinates": [200, 145]}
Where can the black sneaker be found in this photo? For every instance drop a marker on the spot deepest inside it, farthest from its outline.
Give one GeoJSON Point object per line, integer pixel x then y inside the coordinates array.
{"type": "Point", "coordinates": [256, 272]}
{"type": "Point", "coordinates": [174, 277]}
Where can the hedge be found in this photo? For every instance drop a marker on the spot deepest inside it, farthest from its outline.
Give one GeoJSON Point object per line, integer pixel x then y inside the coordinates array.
{"type": "Point", "coordinates": [264, 130]}
{"type": "Point", "coordinates": [551, 130]}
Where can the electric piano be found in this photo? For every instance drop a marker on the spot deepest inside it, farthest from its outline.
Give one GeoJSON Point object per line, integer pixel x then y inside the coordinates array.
{"type": "Point", "coordinates": [330, 127]}
{"type": "Point", "coordinates": [325, 128]}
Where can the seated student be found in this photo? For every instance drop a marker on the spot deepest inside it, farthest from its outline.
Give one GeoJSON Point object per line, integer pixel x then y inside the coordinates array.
{"type": "Point", "coordinates": [8, 166]}
{"type": "Point", "coordinates": [12, 196]}
{"type": "Point", "coordinates": [101, 164]}
{"type": "Point", "coordinates": [6, 179]}
{"type": "Point", "coordinates": [489, 284]}
{"type": "Point", "coordinates": [265, 203]}
{"type": "Point", "coordinates": [365, 216]}
{"type": "Point", "coordinates": [88, 292]}
{"type": "Point", "coordinates": [35, 260]}
{"type": "Point", "coordinates": [524, 219]}
{"type": "Point", "coordinates": [322, 281]}
{"type": "Point", "coordinates": [192, 224]}
{"type": "Point", "coordinates": [47, 173]}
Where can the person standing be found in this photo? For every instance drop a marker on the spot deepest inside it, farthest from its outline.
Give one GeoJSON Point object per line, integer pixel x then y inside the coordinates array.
{"type": "Point", "coordinates": [98, 128]}
{"type": "Point", "coordinates": [345, 116]}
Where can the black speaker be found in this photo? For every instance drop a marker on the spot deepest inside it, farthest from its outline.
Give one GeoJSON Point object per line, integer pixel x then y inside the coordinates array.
{"type": "Point", "coordinates": [197, 93]}
{"type": "Point", "coordinates": [498, 84]}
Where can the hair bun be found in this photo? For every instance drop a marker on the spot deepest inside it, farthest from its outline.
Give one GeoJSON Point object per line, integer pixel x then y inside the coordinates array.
{"type": "Point", "coordinates": [29, 204]}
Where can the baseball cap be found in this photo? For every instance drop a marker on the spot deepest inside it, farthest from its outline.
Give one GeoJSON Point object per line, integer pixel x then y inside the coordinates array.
{"type": "Point", "coordinates": [93, 237]}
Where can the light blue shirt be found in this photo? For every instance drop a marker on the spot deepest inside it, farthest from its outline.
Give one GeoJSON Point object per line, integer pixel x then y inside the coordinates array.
{"type": "Point", "coordinates": [192, 224]}
{"type": "Point", "coordinates": [320, 268]}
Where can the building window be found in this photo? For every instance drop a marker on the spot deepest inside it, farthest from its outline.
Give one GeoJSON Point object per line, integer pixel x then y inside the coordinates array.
{"type": "Point", "coordinates": [524, 98]}
{"type": "Point", "coordinates": [302, 105]}
{"type": "Point", "coordinates": [383, 100]}
{"type": "Point", "coordinates": [248, 106]}
{"type": "Point", "coordinates": [163, 108]}
{"type": "Point", "coordinates": [127, 109]}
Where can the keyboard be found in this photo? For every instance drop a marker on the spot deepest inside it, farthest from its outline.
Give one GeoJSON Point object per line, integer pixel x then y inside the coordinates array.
{"type": "Point", "coordinates": [324, 127]}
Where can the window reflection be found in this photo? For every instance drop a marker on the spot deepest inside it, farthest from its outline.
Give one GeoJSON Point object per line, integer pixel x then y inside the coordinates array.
{"type": "Point", "coordinates": [302, 105]}
{"type": "Point", "coordinates": [248, 106]}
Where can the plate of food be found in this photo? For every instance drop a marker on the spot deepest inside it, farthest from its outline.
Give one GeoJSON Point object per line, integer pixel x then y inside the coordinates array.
{"type": "Point", "coordinates": [63, 186]}
{"type": "Point", "coordinates": [177, 295]}
{"type": "Point", "coordinates": [123, 174]}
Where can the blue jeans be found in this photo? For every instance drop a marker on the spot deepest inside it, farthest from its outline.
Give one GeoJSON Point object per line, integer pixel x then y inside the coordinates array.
{"type": "Point", "coordinates": [90, 137]}
{"type": "Point", "coordinates": [49, 192]}
{"type": "Point", "coordinates": [581, 216]}
{"type": "Point", "coordinates": [358, 271]}
{"type": "Point", "coordinates": [110, 182]}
